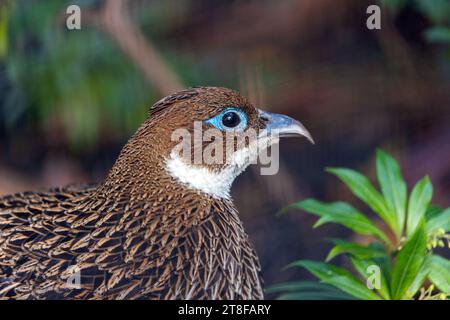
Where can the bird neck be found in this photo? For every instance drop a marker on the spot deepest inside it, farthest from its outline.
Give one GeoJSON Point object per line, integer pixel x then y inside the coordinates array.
{"type": "Point", "coordinates": [155, 211]}
{"type": "Point", "coordinates": [146, 181]}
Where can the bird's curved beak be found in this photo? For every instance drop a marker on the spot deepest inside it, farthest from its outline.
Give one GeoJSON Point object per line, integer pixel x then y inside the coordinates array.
{"type": "Point", "coordinates": [282, 126]}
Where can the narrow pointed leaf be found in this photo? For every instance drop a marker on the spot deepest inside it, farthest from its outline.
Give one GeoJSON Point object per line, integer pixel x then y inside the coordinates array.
{"type": "Point", "coordinates": [385, 261]}
{"type": "Point", "coordinates": [433, 211]}
{"type": "Point", "coordinates": [353, 249]}
{"type": "Point", "coordinates": [393, 187]}
{"type": "Point", "coordinates": [418, 203]}
{"type": "Point", "coordinates": [364, 190]}
{"type": "Point", "coordinates": [439, 221]}
{"type": "Point", "coordinates": [409, 262]}
{"type": "Point", "coordinates": [440, 272]}
{"type": "Point", "coordinates": [419, 279]}
{"type": "Point", "coordinates": [365, 268]}
{"type": "Point", "coordinates": [308, 290]}
{"type": "Point", "coordinates": [341, 213]}
{"type": "Point", "coordinates": [338, 277]}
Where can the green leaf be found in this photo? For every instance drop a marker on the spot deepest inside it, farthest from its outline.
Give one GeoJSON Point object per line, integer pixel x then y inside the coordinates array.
{"type": "Point", "coordinates": [418, 203]}
{"type": "Point", "coordinates": [364, 190]}
{"type": "Point", "coordinates": [341, 213]}
{"type": "Point", "coordinates": [409, 262]}
{"type": "Point", "coordinates": [363, 266]}
{"type": "Point", "coordinates": [3, 30]}
{"type": "Point", "coordinates": [338, 277]}
{"type": "Point", "coordinates": [440, 272]}
{"type": "Point", "coordinates": [419, 279]}
{"type": "Point", "coordinates": [393, 187]}
{"type": "Point", "coordinates": [353, 249]}
{"type": "Point", "coordinates": [438, 221]}
{"type": "Point", "coordinates": [432, 211]}
{"type": "Point", "coordinates": [308, 290]}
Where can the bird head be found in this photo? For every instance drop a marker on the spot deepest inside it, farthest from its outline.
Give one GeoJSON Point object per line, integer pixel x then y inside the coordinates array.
{"type": "Point", "coordinates": [204, 137]}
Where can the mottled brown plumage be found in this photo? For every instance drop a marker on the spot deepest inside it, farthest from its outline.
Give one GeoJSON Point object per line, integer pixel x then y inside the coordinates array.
{"type": "Point", "coordinates": [140, 234]}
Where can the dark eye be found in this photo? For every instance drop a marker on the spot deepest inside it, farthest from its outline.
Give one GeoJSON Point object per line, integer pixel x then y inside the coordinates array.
{"type": "Point", "coordinates": [231, 119]}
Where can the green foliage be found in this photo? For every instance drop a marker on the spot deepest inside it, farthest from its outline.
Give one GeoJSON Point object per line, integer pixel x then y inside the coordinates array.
{"type": "Point", "coordinates": [398, 262]}
{"type": "Point", "coordinates": [355, 249]}
{"type": "Point", "coordinates": [78, 80]}
{"type": "Point", "coordinates": [393, 188]}
{"type": "Point", "coordinates": [80, 83]}
{"type": "Point", "coordinates": [308, 290]}
{"type": "Point", "coordinates": [341, 213]}
{"type": "Point", "coordinates": [439, 221]}
{"type": "Point", "coordinates": [408, 264]}
{"type": "Point", "coordinates": [363, 189]}
{"type": "Point", "coordinates": [3, 30]}
{"type": "Point", "coordinates": [436, 11]}
{"type": "Point", "coordinates": [438, 34]}
{"type": "Point", "coordinates": [338, 277]}
{"type": "Point", "coordinates": [418, 203]}
{"type": "Point", "coordinates": [439, 269]}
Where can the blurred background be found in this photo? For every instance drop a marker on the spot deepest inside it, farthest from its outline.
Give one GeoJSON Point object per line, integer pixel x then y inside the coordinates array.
{"type": "Point", "coordinates": [69, 100]}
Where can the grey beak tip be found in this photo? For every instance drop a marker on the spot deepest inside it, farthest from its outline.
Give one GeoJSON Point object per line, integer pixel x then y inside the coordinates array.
{"type": "Point", "coordinates": [285, 126]}
{"type": "Point", "coordinates": [309, 137]}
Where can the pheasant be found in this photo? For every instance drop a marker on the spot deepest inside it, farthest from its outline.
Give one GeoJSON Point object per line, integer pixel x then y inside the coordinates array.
{"type": "Point", "coordinates": [158, 227]}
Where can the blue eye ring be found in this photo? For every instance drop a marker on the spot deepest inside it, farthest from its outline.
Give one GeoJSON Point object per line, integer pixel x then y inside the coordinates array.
{"type": "Point", "coordinates": [218, 121]}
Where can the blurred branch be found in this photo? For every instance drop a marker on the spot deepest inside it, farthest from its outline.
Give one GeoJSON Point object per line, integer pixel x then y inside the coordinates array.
{"type": "Point", "coordinates": [112, 17]}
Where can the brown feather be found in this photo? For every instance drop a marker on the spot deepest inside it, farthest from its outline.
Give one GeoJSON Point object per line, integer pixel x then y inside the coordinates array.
{"type": "Point", "coordinates": [138, 235]}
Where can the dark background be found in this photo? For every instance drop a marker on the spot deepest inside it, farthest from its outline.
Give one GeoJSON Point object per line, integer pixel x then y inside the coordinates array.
{"type": "Point", "coordinates": [69, 100]}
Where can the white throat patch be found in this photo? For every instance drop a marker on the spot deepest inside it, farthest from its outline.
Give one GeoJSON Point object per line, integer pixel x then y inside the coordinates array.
{"type": "Point", "coordinates": [216, 184]}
